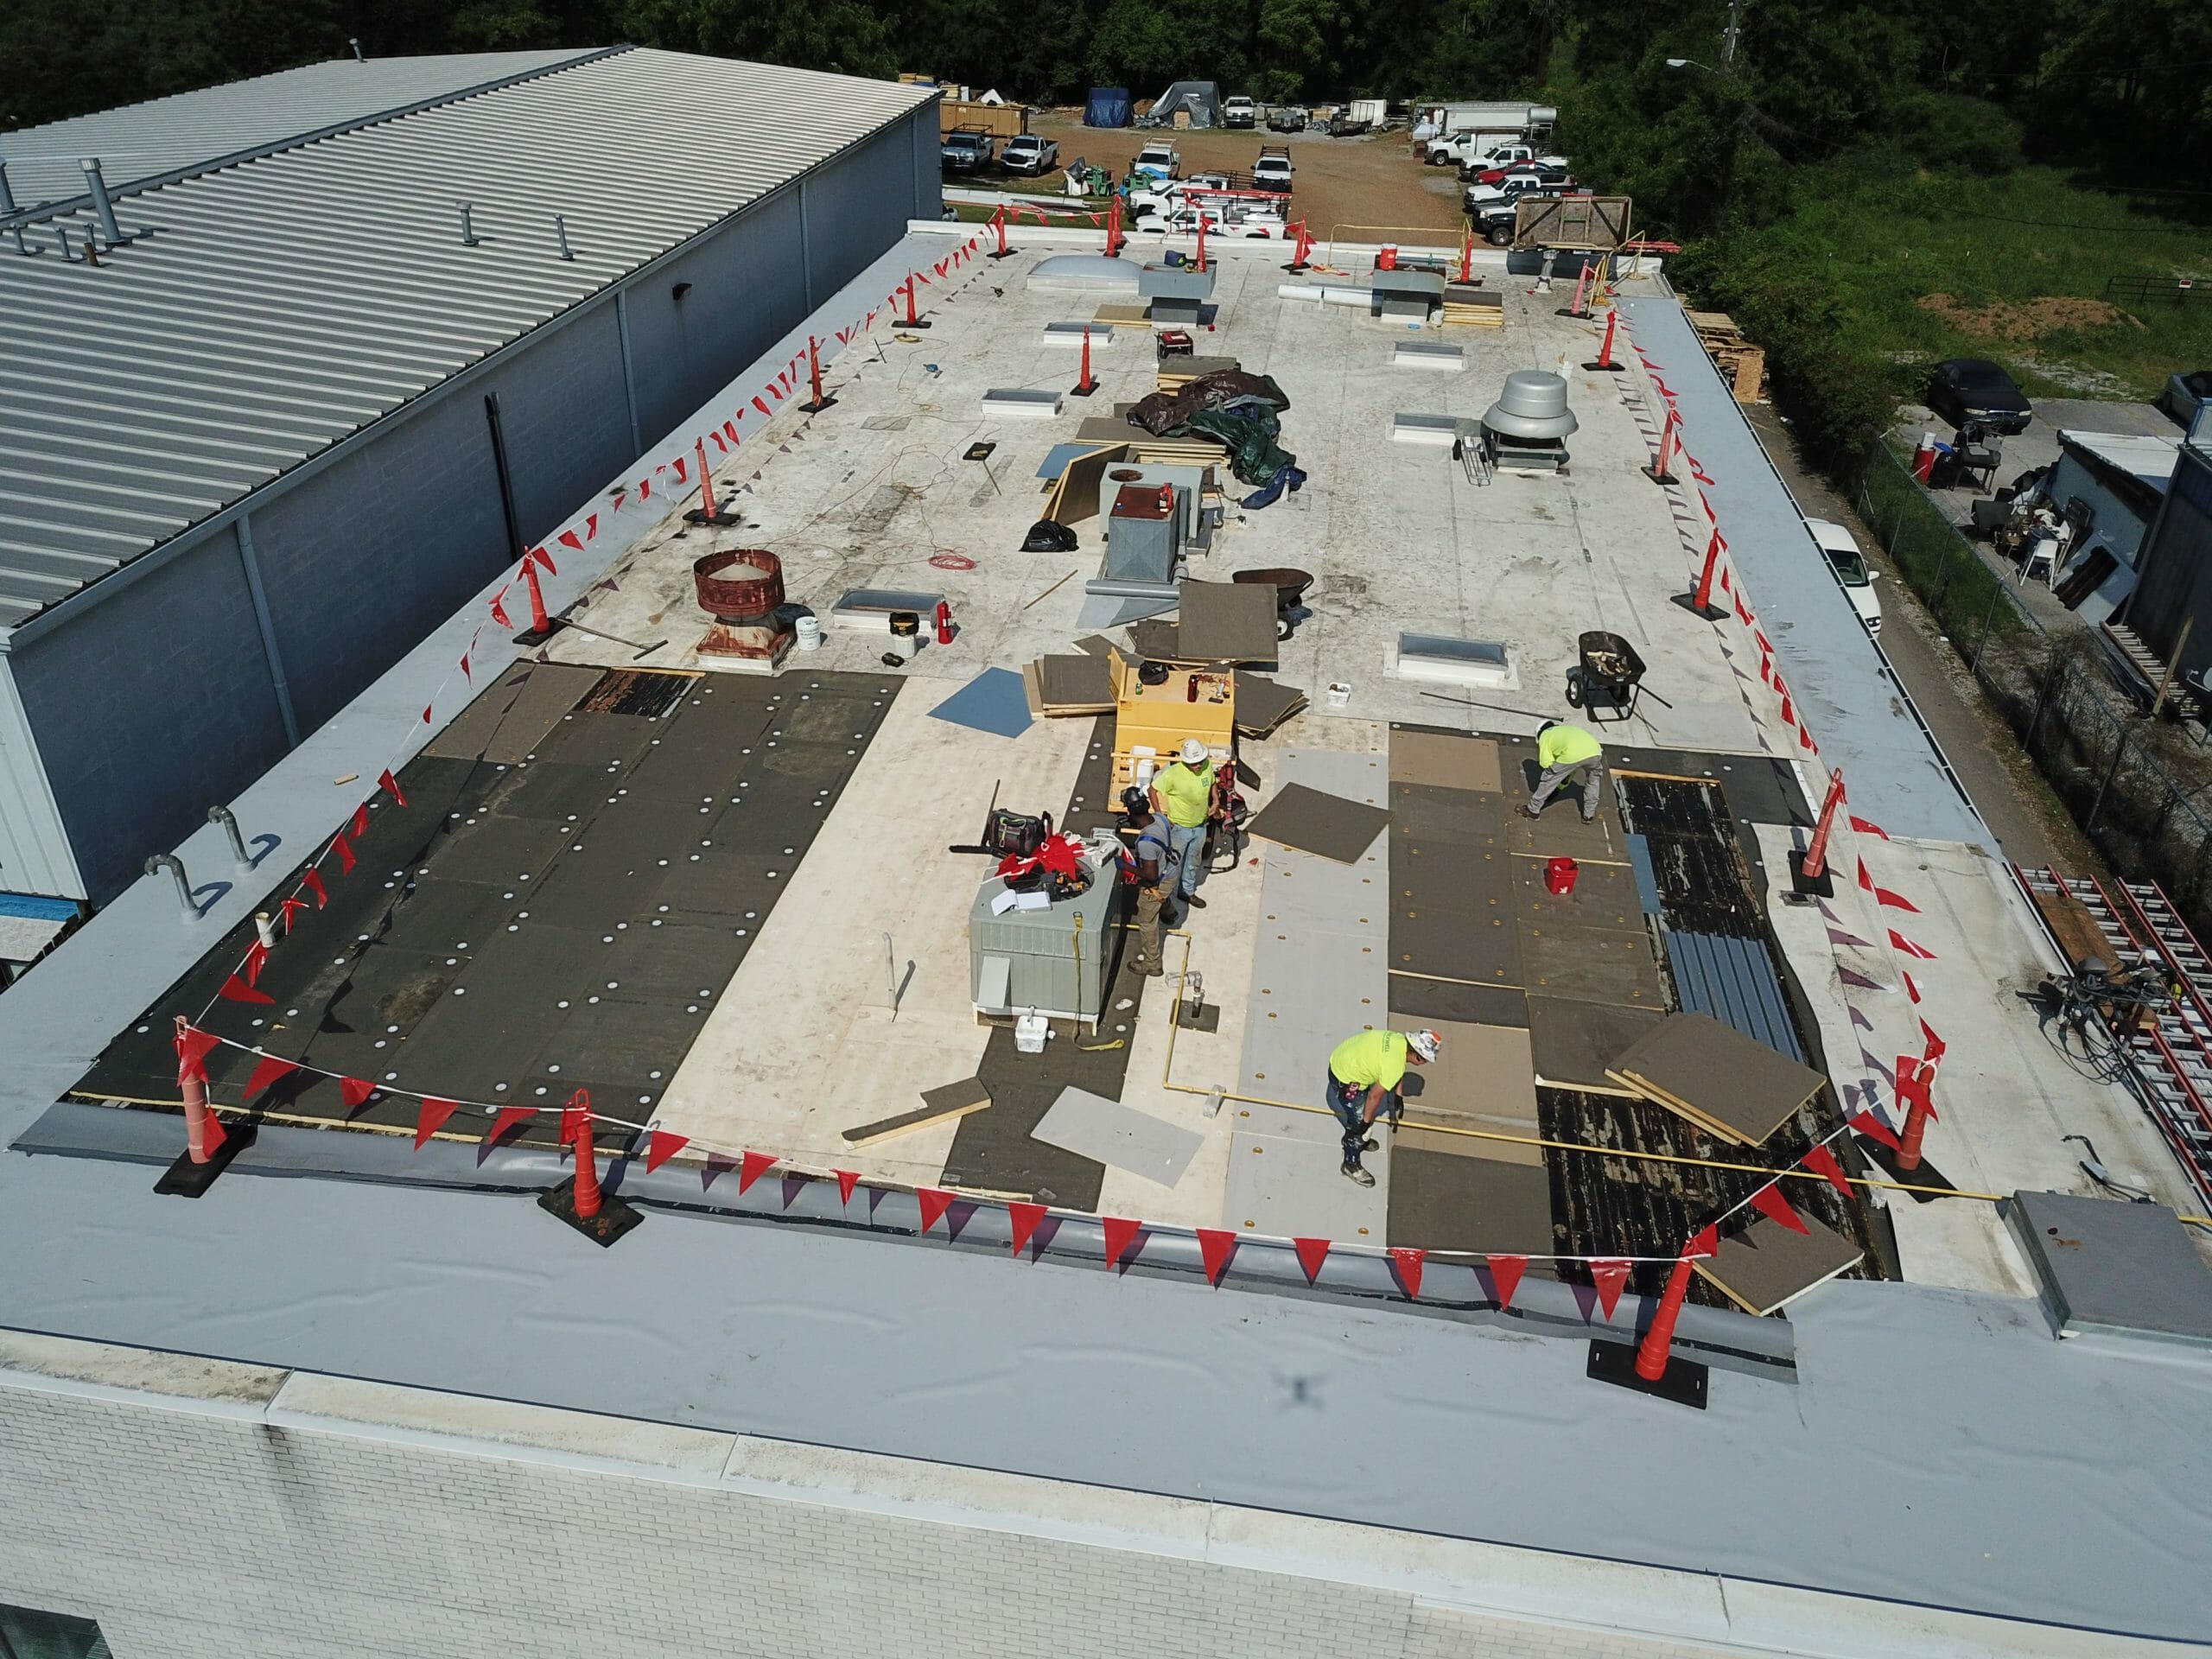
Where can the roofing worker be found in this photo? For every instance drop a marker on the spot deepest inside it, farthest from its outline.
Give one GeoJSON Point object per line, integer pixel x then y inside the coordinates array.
{"type": "Point", "coordinates": [1567, 752]}
{"type": "Point", "coordinates": [1365, 1072]}
{"type": "Point", "coordinates": [1155, 855]}
{"type": "Point", "coordinates": [1182, 791]}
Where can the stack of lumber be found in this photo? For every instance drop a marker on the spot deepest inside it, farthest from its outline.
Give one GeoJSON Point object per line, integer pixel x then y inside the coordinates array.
{"type": "Point", "coordinates": [1733, 1087]}
{"type": "Point", "coordinates": [1078, 684]}
{"type": "Point", "coordinates": [1177, 373]}
{"type": "Point", "coordinates": [1466, 306]}
{"type": "Point", "coordinates": [1741, 362]}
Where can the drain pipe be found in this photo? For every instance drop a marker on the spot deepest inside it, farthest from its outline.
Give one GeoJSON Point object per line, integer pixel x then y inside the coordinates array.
{"type": "Point", "coordinates": [175, 866]}
{"type": "Point", "coordinates": [468, 237]}
{"type": "Point", "coordinates": [229, 820]}
{"type": "Point", "coordinates": [102, 205]}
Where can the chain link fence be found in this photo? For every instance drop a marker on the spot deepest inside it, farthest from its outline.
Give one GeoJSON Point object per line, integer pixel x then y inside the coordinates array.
{"type": "Point", "coordinates": [2137, 787]}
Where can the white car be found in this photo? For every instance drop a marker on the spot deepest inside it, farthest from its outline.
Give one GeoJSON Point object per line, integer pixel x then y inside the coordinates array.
{"type": "Point", "coordinates": [1158, 162]}
{"type": "Point", "coordinates": [1848, 565]}
{"type": "Point", "coordinates": [1240, 112]}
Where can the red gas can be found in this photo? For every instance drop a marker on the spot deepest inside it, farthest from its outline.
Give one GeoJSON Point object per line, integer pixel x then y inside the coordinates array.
{"type": "Point", "coordinates": [1558, 875]}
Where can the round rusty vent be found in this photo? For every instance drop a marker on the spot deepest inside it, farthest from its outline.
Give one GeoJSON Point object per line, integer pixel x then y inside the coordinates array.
{"type": "Point", "coordinates": [756, 588]}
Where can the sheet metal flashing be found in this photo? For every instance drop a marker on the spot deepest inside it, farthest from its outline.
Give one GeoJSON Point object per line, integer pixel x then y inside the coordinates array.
{"type": "Point", "coordinates": [279, 305]}
{"type": "Point", "coordinates": [1853, 703]}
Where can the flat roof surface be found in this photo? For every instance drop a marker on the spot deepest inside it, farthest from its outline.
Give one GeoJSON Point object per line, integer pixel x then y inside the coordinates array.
{"type": "Point", "coordinates": [1306, 1403]}
{"type": "Point", "coordinates": [2148, 459]}
{"type": "Point", "coordinates": [275, 307]}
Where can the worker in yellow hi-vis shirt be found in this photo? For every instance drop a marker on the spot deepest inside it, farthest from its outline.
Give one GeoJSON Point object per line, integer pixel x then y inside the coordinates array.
{"type": "Point", "coordinates": [1365, 1072]}
{"type": "Point", "coordinates": [1182, 792]}
{"type": "Point", "coordinates": [1567, 752]}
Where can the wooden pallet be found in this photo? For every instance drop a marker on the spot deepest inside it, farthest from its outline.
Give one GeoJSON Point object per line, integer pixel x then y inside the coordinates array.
{"type": "Point", "coordinates": [1744, 363]}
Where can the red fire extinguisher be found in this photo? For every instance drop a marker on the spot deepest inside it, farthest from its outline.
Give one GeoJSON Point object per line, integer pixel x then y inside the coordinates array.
{"type": "Point", "coordinates": [943, 623]}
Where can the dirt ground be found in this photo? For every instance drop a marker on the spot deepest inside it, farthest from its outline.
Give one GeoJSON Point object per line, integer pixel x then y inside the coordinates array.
{"type": "Point", "coordinates": [1357, 186]}
{"type": "Point", "coordinates": [2021, 324]}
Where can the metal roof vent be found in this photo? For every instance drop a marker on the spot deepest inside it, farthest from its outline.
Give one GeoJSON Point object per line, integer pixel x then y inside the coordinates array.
{"type": "Point", "coordinates": [1533, 405]}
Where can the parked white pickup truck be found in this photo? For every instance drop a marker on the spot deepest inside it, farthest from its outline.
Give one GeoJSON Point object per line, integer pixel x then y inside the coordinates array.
{"type": "Point", "coordinates": [1459, 148]}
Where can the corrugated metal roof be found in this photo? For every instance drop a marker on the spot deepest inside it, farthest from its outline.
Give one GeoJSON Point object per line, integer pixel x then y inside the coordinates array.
{"type": "Point", "coordinates": [189, 131]}
{"type": "Point", "coordinates": [279, 304]}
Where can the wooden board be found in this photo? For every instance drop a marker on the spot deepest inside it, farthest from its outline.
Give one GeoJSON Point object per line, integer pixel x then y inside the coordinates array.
{"type": "Point", "coordinates": [1075, 493]}
{"type": "Point", "coordinates": [2080, 939]}
{"type": "Point", "coordinates": [1735, 1088]}
{"type": "Point", "coordinates": [1767, 1265]}
{"type": "Point", "coordinates": [939, 1105]}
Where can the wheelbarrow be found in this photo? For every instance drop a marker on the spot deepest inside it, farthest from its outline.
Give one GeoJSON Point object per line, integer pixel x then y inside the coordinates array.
{"type": "Point", "coordinates": [1608, 673]}
{"type": "Point", "coordinates": [1290, 588]}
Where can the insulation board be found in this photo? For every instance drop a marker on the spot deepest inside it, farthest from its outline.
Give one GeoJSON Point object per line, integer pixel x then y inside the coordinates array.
{"type": "Point", "coordinates": [1767, 1266]}
{"type": "Point", "coordinates": [1604, 897]}
{"type": "Point", "coordinates": [1444, 760]}
{"type": "Point", "coordinates": [1442, 1202]}
{"type": "Point", "coordinates": [1229, 621]}
{"type": "Point", "coordinates": [1108, 1132]}
{"type": "Point", "coordinates": [992, 701]}
{"type": "Point", "coordinates": [1295, 1189]}
{"type": "Point", "coordinates": [1574, 1042]}
{"type": "Point", "coordinates": [1428, 1000]}
{"type": "Point", "coordinates": [1561, 830]}
{"type": "Point", "coordinates": [1592, 965]}
{"type": "Point", "coordinates": [1329, 825]}
{"type": "Point", "coordinates": [1712, 1074]}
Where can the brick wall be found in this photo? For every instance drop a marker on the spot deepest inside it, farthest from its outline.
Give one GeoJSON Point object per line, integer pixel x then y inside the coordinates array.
{"type": "Point", "coordinates": [237, 1519]}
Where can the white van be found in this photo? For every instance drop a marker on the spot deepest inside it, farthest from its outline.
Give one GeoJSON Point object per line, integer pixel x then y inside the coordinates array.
{"type": "Point", "coordinates": [1848, 566]}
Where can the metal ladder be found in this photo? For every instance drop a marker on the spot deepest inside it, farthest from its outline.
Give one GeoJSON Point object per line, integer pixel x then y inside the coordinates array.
{"type": "Point", "coordinates": [2172, 1061]}
{"type": "Point", "coordinates": [1474, 459]}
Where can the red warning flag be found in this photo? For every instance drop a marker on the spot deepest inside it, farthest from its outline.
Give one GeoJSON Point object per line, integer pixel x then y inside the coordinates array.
{"type": "Point", "coordinates": [193, 1047]}
{"type": "Point", "coordinates": [1609, 1276]}
{"type": "Point", "coordinates": [545, 559]}
{"type": "Point", "coordinates": [1215, 1248]}
{"type": "Point", "coordinates": [215, 1135]}
{"type": "Point", "coordinates": [1706, 1243]}
{"type": "Point", "coordinates": [681, 475]}
{"type": "Point", "coordinates": [499, 610]}
{"type": "Point", "coordinates": [591, 526]}
{"type": "Point", "coordinates": [312, 880]}
{"type": "Point", "coordinates": [1914, 1077]}
{"type": "Point", "coordinates": [391, 786]}
{"type": "Point", "coordinates": [1874, 1129]}
{"type": "Point", "coordinates": [1120, 1233]}
{"type": "Point", "coordinates": [662, 1147]}
{"type": "Point", "coordinates": [1935, 1047]}
{"type": "Point", "coordinates": [508, 1117]}
{"type": "Point", "coordinates": [1864, 827]}
{"type": "Point", "coordinates": [268, 1070]}
{"type": "Point", "coordinates": [1022, 1220]}
{"type": "Point", "coordinates": [846, 1180]}
{"type": "Point", "coordinates": [934, 1201]}
{"type": "Point", "coordinates": [426, 712]}
{"type": "Point", "coordinates": [1911, 989]}
{"type": "Point", "coordinates": [344, 848]}
{"type": "Point", "coordinates": [432, 1118]}
{"type": "Point", "coordinates": [256, 958]}
{"type": "Point", "coordinates": [287, 908]}
{"type": "Point", "coordinates": [1505, 1277]}
{"type": "Point", "coordinates": [1910, 948]}
{"type": "Point", "coordinates": [1822, 1163]}
{"type": "Point", "coordinates": [235, 989]}
{"type": "Point", "coordinates": [759, 405]}
{"type": "Point", "coordinates": [751, 1166]}
{"type": "Point", "coordinates": [1407, 1262]}
{"type": "Point", "coordinates": [1312, 1253]}
{"type": "Point", "coordinates": [360, 820]}
{"type": "Point", "coordinates": [569, 539]}
{"type": "Point", "coordinates": [354, 1091]}
{"type": "Point", "coordinates": [1769, 1203]}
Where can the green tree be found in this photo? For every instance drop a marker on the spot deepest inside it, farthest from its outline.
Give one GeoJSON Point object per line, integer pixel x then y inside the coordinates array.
{"type": "Point", "coordinates": [849, 36]}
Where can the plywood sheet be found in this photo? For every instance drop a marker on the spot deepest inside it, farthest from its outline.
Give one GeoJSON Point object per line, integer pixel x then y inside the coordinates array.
{"type": "Point", "coordinates": [1442, 1202]}
{"type": "Point", "coordinates": [1561, 830]}
{"type": "Point", "coordinates": [1229, 621]}
{"type": "Point", "coordinates": [1486, 1070]}
{"type": "Point", "coordinates": [1712, 1074]}
{"type": "Point", "coordinates": [1574, 1042]}
{"type": "Point", "coordinates": [1439, 758]}
{"type": "Point", "coordinates": [1604, 896]}
{"type": "Point", "coordinates": [1078, 684]}
{"type": "Point", "coordinates": [1263, 704]}
{"type": "Point", "coordinates": [470, 732]}
{"type": "Point", "coordinates": [1328, 825]}
{"type": "Point", "coordinates": [1767, 1265]}
{"type": "Point", "coordinates": [1293, 1189]}
{"type": "Point", "coordinates": [1444, 944]}
{"type": "Point", "coordinates": [1444, 1142]}
{"type": "Point", "coordinates": [1074, 495]}
{"type": "Point", "coordinates": [1426, 813]}
{"type": "Point", "coordinates": [552, 689]}
{"type": "Point", "coordinates": [1108, 1132]}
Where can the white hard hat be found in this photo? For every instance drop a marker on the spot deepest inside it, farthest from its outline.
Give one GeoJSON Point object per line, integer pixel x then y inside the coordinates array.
{"type": "Point", "coordinates": [1424, 1043]}
{"type": "Point", "coordinates": [1194, 751]}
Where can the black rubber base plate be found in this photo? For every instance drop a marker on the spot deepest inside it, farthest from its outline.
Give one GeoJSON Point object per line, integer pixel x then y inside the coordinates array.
{"type": "Point", "coordinates": [1002, 253]}
{"type": "Point", "coordinates": [1822, 884]}
{"type": "Point", "coordinates": [1605, 368]}
{"type": "Point", "coordinates": [539, 636]}
{"type": "Point", "coordinates": [1082, 392]}
{"type": "Point", "coordinates": [1683, 1381]}
{"type": "Point", "coordinates": [1886, 1160]}
{"type": "Point", "coordinates": [1703, 613]}
{"type": "Point", "coordinates": [918, 322]}
{"type": "Point", "coordinates": [818, 405]}
{"type": "Point", "coordinates": [1569, 311]}
{"type": "Point", "coordinates": [186, 1179]}
{"type": "Point", "coordinates": [614, 1218]}
{"type": "Point", "coordinates": [1659, 478]}
{"type": "Point", "coordinates": [717, 519]}
{"type": "Point", "coordinates": [1295, 265]}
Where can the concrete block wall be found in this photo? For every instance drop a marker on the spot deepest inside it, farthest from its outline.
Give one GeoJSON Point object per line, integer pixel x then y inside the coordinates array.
{"type": "Point", "coordinates": [153, 698]}
{"type": "Point", "coordinates": [258, 1512]}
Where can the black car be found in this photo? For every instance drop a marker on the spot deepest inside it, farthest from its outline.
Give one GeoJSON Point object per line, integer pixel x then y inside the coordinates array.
{"type": "Point", "coordinates": [1973, 389]}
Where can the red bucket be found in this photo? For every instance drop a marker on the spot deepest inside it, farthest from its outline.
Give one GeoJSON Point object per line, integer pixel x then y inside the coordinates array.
{"type": "Point", "coordinates": [1560, 873]}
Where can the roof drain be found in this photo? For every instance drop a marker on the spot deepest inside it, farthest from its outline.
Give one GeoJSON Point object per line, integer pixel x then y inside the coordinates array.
{"type": "Point", "coordinates": [468, 237]}
{"type": "Point", "coordinates": [8, 210]}
{"type": "Point", "coordinates": [102, 204]}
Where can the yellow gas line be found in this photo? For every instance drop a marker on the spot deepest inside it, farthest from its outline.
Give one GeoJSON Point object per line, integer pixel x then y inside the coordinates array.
{"type": "Point", "coordinates": [1166, 1082]}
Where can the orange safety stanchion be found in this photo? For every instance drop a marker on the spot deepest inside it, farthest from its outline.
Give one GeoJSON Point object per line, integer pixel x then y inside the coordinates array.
{"type": "Point", "coordinates": [1114, 229]}
{"type": "Point", "coordinates": [1467, 256]}
{"type": "Point", "coordinates": [543, 627]}
{"type": "Point", "coordinates": [819, 402]}
{"type": "Point", "coordinates": [914, 318]}
{"type": "Point", "coordinates": [1650, 1367]}
{"type": "Point", "coordinates": [1086, 386]}
{"type": "Point", "coordinates": [1604, 363]}
{"type": "Point", "coordinates": [579, 1200]}
{"type": "Point", "coordinates": [1914, 1079]}
{"type": "Point", "coordinates": [1699, 603]}
{"type": "Point", "coordinates": [998, 224]}
{"type": "Point", "coordinates": [1815, 864]}
{"type": "Point", "coordinates": [1652, 1353]}
{"type": "Point", "coordinates": [1657, 472]}
{"type": "Point", "coordinates": [1202, 238]}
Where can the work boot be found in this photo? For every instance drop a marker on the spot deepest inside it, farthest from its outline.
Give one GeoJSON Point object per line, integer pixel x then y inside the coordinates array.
{"type": "Point", "coordinates": [1149, 970]}
{"type": "Point", "coordinates": [1527, 811]}
{"type": "Point", "coordinates": [1368, 1145]}
{"type": "Point", "coordinates": [1191, 901]}
{"type": "Point", "coordinates": [1357, 1176]}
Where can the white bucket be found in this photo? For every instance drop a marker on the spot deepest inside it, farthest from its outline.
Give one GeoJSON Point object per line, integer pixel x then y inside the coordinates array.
{"type": "Point", "coordinates": [1339, 694]}
{"type": "Point", "coordinates": [807, 630]}
{"type": "Point", "coordinates": [1030, 1031]}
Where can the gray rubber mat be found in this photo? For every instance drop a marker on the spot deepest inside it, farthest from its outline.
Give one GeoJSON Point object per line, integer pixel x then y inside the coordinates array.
{"type": "Point", "coordinates": [1440, 943]}
{"type": "Point", "coordinates": [1439, 1201]}
{"type": "Point", "coordinates": [1328, 825]}
{"type": "Point", "coordinates": [598, 740]}
{"type": "Point", "coordinates": [1296, 1189]}
{"type": "Point", "coordinates": [1227, 622]}
{"type": "Point", "coordinates": [1575, 1041]}
{"type": "Point", "coordinates": [1426, 812]}
{"type": "Point", "coordinates": [1426, 999]}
